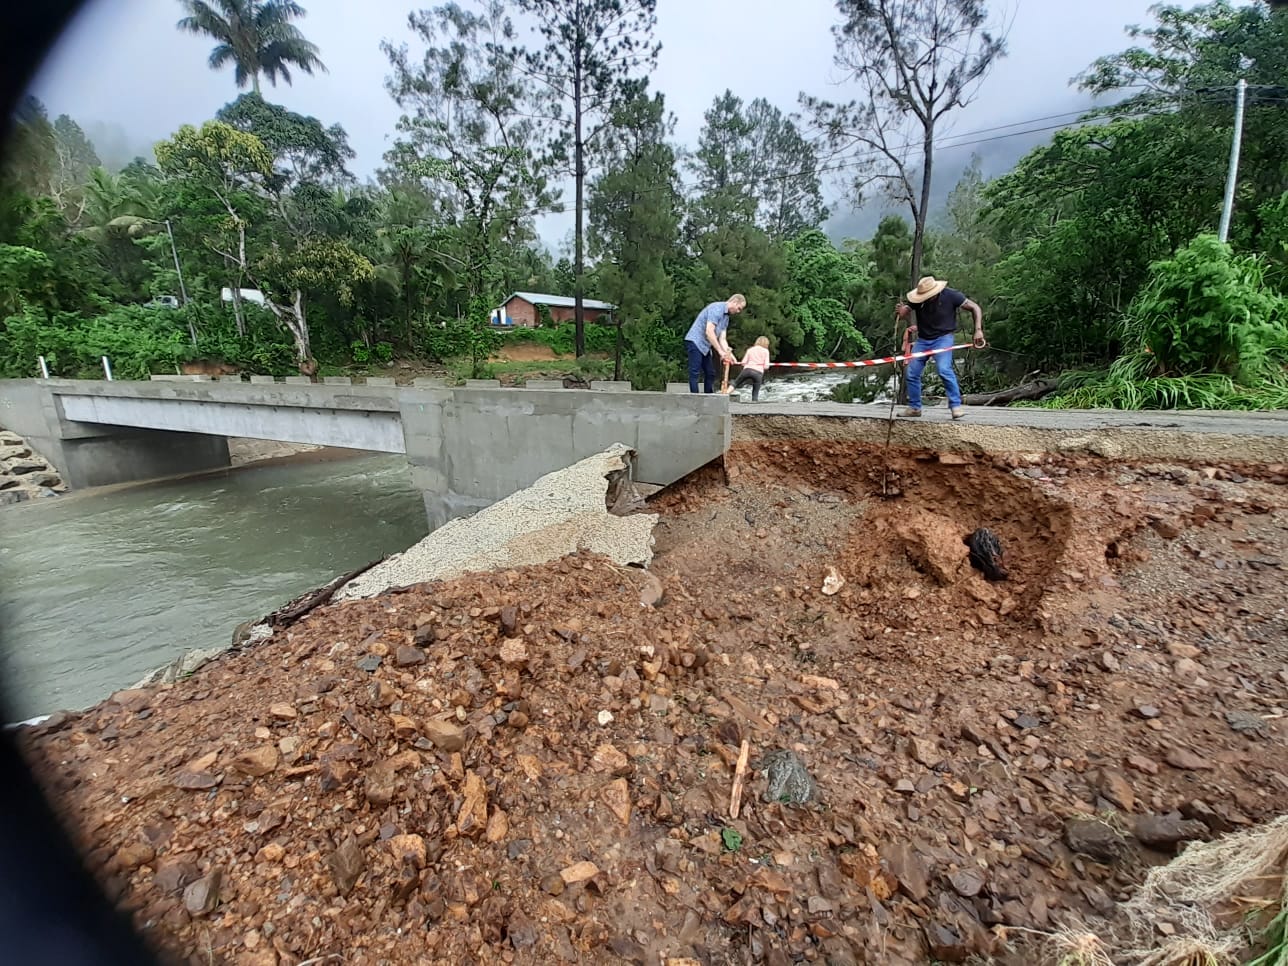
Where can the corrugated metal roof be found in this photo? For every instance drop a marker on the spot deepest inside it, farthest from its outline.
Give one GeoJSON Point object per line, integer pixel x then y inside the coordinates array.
{"type": "Point", "coordinates": [560, 301]}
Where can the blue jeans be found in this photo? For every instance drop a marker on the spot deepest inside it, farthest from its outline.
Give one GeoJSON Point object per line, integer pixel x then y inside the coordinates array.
{"type": "Point", "coordinates": [943, 362]}
{"type": "Point", "coordinates": [701, 362]}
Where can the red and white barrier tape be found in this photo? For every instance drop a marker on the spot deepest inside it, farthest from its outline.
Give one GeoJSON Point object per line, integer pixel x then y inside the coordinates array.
{"type": "Point", "coordinates": [866, 362]}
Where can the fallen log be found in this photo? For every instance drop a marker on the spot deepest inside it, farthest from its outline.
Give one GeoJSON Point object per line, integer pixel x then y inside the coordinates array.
{"type": "Point", "coordinates": [1029, 390]}
{"type": "Point", "coordinates": [292, 611]}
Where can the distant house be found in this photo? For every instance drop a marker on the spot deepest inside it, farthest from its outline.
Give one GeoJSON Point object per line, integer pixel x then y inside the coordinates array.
{"type": "Point", "coordinates": [521, 309]}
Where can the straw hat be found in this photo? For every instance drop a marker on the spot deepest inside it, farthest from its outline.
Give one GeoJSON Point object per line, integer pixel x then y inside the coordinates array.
{"type": "Point", "coordinates": [927, 288]}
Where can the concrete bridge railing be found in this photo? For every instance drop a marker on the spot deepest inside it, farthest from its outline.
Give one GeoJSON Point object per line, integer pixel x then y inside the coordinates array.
{"type": "Point", "coordinates": [467, 447]}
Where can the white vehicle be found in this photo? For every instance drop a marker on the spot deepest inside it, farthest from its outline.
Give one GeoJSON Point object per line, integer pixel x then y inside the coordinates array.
{"type": "Point", "coordinates": [164, 302]}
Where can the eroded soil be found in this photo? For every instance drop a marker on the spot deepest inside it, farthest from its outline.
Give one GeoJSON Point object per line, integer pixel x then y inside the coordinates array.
{"type": "Point", "coordinates": [534, 766]}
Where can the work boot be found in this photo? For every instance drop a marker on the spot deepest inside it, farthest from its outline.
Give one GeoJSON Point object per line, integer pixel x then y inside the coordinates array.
{"type": "Point", "coordinates": [910, 413]}
{"type": "Point", "coordinates": [957, 412]}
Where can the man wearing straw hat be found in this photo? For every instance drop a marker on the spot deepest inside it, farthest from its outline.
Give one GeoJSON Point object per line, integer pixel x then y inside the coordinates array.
{"type": "Point", "coordinates": [936, 307]}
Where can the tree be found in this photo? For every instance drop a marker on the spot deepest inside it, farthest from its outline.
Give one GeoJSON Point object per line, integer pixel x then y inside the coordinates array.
{"type": "Point", "coordinates": [30, 157]}
{"type": "Point", "coordinates": [823, 290]}
{"type": "Point", "coordinates": [635, 210]}
{"type": "Point", "coordinates": [304, 151]}
{"type": "Point", "coordinates": [74, 159]}
{"type": "Point", "coordinates": [913, 63]}
{"type": "Point", "coordinates": [967, 250]}
{"type": "Point", "coordinates": [468, 138]}
{"type": "Point", "coordinates": [753, 165]}
{"type": "Point", "coordinates": [217, 174]}
{"type": "Point", "coordinates": [255, 36]}
{"type": "Point", "coordinates": [591, 48]}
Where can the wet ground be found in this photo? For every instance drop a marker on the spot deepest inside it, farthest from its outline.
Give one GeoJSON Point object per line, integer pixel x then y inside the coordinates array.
{"type": "Point", "coordinates": [537, 765]}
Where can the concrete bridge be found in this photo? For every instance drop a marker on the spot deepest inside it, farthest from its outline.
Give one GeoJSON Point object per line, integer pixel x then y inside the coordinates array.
{"type": "Point", "coordinates": [467, 447]}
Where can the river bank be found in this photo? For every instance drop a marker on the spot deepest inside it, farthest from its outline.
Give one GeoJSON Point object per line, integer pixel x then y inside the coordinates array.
{"type": "Point", "coordinates": [536, 764]}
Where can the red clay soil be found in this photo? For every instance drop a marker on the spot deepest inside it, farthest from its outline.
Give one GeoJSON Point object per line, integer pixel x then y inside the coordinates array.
{"type": "Point", "coordinates": [533, 766]}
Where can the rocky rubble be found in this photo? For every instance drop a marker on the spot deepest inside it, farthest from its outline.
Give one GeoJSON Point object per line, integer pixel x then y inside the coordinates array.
{"type": "Point", "coordinates": [536, 765]}
{"type": "Point", "coordinates": [25, 474]}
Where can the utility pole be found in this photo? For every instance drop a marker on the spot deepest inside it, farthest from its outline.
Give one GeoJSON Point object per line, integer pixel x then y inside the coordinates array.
{"type": "Point", "coordinates": [1232, 178]}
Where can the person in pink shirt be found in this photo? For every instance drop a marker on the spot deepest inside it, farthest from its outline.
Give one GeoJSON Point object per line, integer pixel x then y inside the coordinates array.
{"type": "Point", "coordinates": [754, 363]}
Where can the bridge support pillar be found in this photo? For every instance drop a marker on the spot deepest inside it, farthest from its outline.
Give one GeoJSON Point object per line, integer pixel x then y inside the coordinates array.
{"type": "Point", "coordinates": [469, 448]}
{"type": "Point", "coordinates": [118, 454]}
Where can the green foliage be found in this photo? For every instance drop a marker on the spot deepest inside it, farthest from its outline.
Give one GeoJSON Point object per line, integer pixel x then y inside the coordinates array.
{"type": "Point", "coordinates": [1207, 310]}
{"type": "Point", "coordinates": [1206, 332]}
{"type": "Point", "coordinates": [731, 838]}
{"type": "Point", "coordinates": [26, 276]}
{"type": "Point", "coordinates": [138, 341]}
{"type": "Point", "coordinates": [255, 36]}
{"type": "Point", "coordinates": [561, 339]}
{"type": "Point", "coordinates": [650, 370]}
{"type": "Point", "coordinates": [824, 287]}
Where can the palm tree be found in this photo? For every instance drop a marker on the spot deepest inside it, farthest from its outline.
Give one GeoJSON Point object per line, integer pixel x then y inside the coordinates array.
{"type": "Point", "coordinates": [256, 36]}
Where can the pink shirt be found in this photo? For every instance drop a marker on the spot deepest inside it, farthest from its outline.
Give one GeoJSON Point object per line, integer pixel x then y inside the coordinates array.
{"type": "Point", "coordinates": [757, 359]}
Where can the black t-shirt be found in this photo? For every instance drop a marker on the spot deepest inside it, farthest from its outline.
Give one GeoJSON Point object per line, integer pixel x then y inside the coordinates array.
{"type": "Point", "coordinates": [938, 316]}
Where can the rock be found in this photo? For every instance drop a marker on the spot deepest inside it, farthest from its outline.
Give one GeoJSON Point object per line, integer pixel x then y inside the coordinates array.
{"type": "Point", "coordinates": [1109, 662]}
{"type": "Point", "coordinates": [1165, 832]}
{"type": "Point", "coordinates": [552, 885]}
{"type": "Point", "coordinates": [604, 718]}
{"type": "Point", "coordinates": [514, 651]}
{"type": "Point", "coordinates": [201, 897]}
{"type": "Point", "coordinates": [627, 949]}
{"type": "Point", "coordinates": [1180, 649]}
{"type": "Point", "coordinates": [346, 863]}
{"type": "Point", "coordinates": [195, 781]}
{"type": "Point", "coordinates": [945, 944]}
{"type": "Point", "coordinates": [1116, 789]}
{"type": "Point", "coordinates": [1201, 811]}
{"type": "Point", "coordinates": [132, 855]}
{"type": "Point", "coordinates": [579, 872]}
{"type": "Point", "coordinates": [658, 703]}
{"type": "Point", "coordinates": [445, 735]}
{"type": "Point", "coordinates": [519, 929]}
{"type": "Point", "coordinates": [967, 883]}
{"type": "Point", "coordinates": [408, 656]}
{"type": "Point", "coordinates": [1026, 721]}
{"type": "Point", "coordinates": [1187, 670]}
{"type": "Point", "coordinates": [409, 850]}
{"type": "Point", "coordinates": [908, 869]}
{"type": "Point", "coordinates": [403, 726]}
{"type": "Point", "coordinates": [283, 712]}
{"type": "Point", "coordinates": [508, 621]}
{"type": "Point", "coordinates": [1187, 760]}
{"type": "Point", "coordinates": [257, 762]}
{"type": "Point", "coordinates": [926, 752]}
{"type": "Point", "coordinates": [617, 796]}
{"type": "Point", "coordinates": [471, 818]}
{"type": "Point", "coordinates": [1146, 766]}
{"type": "Point", "coordinates": [369, 663]}
{"type": "Point", "coordinates": [1147, 711]}
{"type": "Point", "coordinates": [335, 774]}
{"type": "Point", "coordinates": [1247, 723]}
{"type": "Point", "coordinates": [789, 781]}
{"type": "Point", "coordinates": [833, 582]}
{"type": "Point", "coordinates": [380, 784]}
{"type": "Point", "coordinates": [24, 466]}
{"type": "Point", "coordinates": [933, 544]}
{"type": "Point", "coordinates": [1094, 838]}
{"type": "Point", "coordinates": [653, 592]}
{"type": "Point", "coordinates": [608, 759]}
{"type": "Point", "coordinates": [498, 826]}
{"type": "Point", "coordinates": [173, 873]}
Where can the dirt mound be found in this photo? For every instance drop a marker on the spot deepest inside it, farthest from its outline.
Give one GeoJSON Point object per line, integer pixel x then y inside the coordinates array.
{"type": "Point", "coordinates": [537, 765]}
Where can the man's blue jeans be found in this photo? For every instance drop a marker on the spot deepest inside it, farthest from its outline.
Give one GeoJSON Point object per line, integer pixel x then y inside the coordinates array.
{"type": "Point", "coordinates": [943, 362]}
{"type": "Point", "coordinates": [701, 362]}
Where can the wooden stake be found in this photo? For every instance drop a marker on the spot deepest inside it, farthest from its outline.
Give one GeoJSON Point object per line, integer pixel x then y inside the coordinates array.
{"type": "Point", "coordinates": [724, 383]}
{"type": "Point", "coordinates": [739, 773]}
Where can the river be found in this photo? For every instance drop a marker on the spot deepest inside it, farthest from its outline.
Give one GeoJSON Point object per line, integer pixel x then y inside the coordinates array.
{"type": "Point", "coordinates": [97, 589]}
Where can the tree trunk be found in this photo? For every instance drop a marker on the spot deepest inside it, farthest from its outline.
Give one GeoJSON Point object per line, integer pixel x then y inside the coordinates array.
{"type": "Point", "coordinates": [238, 314]}
{"type": "Point", "coordinates": [1029, 390]}
{"type": "Point", "coordinates": [579, 174]}
{"type": "Point", "coordinates": [919, 216]}
{"type": "Point", "coordinates": [617, 355]}
{"type": "Point", "coordinates": [254, 83]}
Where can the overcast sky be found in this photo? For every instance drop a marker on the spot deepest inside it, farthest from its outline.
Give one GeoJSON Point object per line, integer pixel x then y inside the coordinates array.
{"type": "Point", "coordinates": [125, 65]}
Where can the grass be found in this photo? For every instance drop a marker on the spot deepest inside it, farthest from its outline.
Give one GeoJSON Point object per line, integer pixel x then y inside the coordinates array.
{"type": "Point", "coordinates": [1276, 938]}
